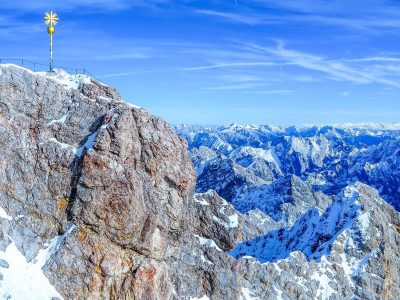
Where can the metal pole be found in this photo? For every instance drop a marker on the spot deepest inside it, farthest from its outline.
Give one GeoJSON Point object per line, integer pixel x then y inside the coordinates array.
{"type": "Point", "coordinates": [51, 52]}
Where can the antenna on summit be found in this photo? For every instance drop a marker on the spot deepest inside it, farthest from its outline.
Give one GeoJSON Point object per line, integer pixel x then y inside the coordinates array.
{"type": "Point", "coordinates": [51, 19]}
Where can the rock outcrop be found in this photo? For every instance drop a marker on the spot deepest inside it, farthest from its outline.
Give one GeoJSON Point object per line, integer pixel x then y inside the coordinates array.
{"type": "Point", "coordinates": [75, 155]}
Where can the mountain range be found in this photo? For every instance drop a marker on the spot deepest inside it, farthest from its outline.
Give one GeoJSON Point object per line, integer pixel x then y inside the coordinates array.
{"type": "Point", "coordinates": [99, 199]}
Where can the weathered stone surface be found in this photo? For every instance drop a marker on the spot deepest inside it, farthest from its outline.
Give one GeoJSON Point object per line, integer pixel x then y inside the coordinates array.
{"type": "Point", "coordinates": [121, 176]}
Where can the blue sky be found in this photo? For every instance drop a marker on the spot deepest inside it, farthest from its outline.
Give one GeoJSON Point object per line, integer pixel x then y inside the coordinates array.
{"type": "Point", "coordinates": [221, 62]}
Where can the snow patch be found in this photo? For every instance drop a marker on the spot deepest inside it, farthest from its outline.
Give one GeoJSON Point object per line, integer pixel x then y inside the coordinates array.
{"type": "Point", "coordinates": [62, 145]}
{"type": "Point", "coordinates": [363, 222]}
{"type": "Point", "coordinates": [26, 280]}
{"type": "Point", "coordinates": [4, 214]}
{"type": "Point", "coordinates": [233, 221]}
{"type": "Point", "coordinates": [200, 200]}
{"type": "Point", "coordinates": [208, 243]}
{"type": "Point", "coordinates": [88, 144]}
{"type": "Point", "coordinates": [61, 120]}
{"type": "Point", "coordinates": [66, 80]}
{"type": "Point", "coordinates": [205, 260]}
{"type": "Point", "coordinates": [278, 294]}
{"type": "Point", "coordinates": [205, 297]}
{"type": "Point", "coordinates": [134, 106]}
{"type": "Point", "coordinates": [247, 294]}
{"type": "Point", "coordinates": [324, 289]}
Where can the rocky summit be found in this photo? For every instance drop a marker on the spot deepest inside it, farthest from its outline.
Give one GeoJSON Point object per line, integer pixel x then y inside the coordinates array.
{"type": "Point", "coordinates": [99, 200]}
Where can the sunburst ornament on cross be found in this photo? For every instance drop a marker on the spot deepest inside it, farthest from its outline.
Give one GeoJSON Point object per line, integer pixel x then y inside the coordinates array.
{"type": "Point", "coordinates": [51, 19]}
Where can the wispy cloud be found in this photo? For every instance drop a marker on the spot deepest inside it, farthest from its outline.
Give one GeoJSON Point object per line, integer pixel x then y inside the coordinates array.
{"type": "Point", "coordinates": [241, 18]}
{"type": "Point", "coordinates": [140, 53]}
{"type": "Point", "coordinates": [335, 69]}
{"type": "Point", "coordinates": [281, 60]}
{"type": "Point", "coordinates": [233, 64]}
{"type": "Point", "coordinates": [358, 9]}
{"type": "Point", "coordinates": [126, 74]}
{"type": "Point", "coordinates": [240, 78]}
{"type": "Point", "coordinates": [273, 92]}
{"type": "Point", "coordinates": [12, 28]}
{"type": "Point", "coordinates": [374, 16]}
{"type": "Point", "coordinates": [374, 59]}
{"type": "Point", "coordinates": [243, 86]}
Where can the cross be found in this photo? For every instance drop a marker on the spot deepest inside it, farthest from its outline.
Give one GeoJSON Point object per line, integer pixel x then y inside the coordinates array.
{"type": "Point", "coordinates": [51, 18]}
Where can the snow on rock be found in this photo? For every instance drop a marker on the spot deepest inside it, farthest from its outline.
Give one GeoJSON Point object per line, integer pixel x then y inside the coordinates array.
{"type": "Point", "coordinates": [60, 120]}
{"type": "Point", "coordinates": [278, 293]}
{"type": "Point", "coordinates": [199, 199]}
{"type": "Point", "coordinates": [208, 243]}
{"type": "Point", "coordinates": [285, 199]}
{"type": "Point", "coordinates": [324, 289]}
{"type": "Point", "coordinates": [89, 143]}
{"type": "Point", "coordinates": [363, 221]}
{"type": "Point", "coordinates": [205, 260]}
{"type": "Point", "coordinates": [247, 294]}
{"type": "Point", "coordinates": [62, 145]}
{"type": "Point", "coordinates": [313, 234]}
{"type": "Point", "coordinates": [205, 297]}
{"type": "Point", "coordinates": [26, 280]}
{"type": "Point", "coordinates": [328, 157]}
{"type": "Point", "coordinates": [233, 221]}
{"type": "Point", "coordinates": [67, 80]}
{"type": "Point", "coordinates": [4, 214]}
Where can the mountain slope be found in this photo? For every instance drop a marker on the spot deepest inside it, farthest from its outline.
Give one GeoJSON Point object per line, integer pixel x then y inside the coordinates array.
{"type": "Point", "coordinates": [110, 178]}
{"type": "Point", "coordinates": [97, 201]}
{"type": "Point", "coordinates": [355, 241]}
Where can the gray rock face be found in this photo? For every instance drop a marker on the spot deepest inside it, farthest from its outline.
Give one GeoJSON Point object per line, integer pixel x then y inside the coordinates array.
{"type": "Point", "coordinates": [73, 153]}
{"type": "Point", "coordinates": [214, 218]}
{"type": "Point", "coordinates": [97, 202]}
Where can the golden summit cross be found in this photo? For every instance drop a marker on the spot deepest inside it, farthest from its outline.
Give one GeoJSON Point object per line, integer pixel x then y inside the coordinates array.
{"type": "Point", "coordinates": [51, 19]}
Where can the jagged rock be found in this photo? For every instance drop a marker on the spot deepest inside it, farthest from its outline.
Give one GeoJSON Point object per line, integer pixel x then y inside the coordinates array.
{"type": "Point", "coordinates": [214, 218]}
{"type": "Point", "coordinates": [73, 152]}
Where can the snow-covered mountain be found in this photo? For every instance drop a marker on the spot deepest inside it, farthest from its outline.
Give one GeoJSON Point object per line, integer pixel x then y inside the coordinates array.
{"type": "Point", "coordinates": [313, 182]}
{"type": "Point", "coordinates": [97, 201]}
{"type": "Point", "coordinates": [234, 159]}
